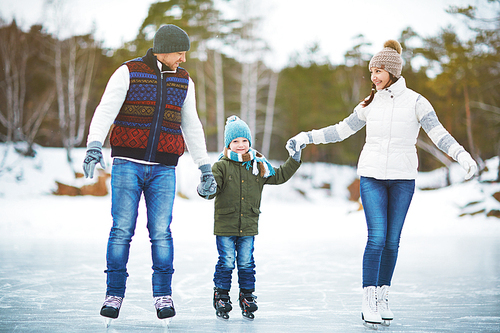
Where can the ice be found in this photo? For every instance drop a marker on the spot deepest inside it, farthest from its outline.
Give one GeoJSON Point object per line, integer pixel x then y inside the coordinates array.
{"type": "Point", "coordinates": [308, 256]}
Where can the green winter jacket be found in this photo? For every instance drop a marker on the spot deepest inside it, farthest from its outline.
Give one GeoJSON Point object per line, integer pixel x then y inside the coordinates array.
{"type": "Point", "coordinates": [237, 200]}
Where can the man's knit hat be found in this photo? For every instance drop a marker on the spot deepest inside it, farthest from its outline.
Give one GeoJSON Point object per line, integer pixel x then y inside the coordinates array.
{"type": "Point", "coordinates": [170, 38]}
{"type": "Point", "coordinates": [389, 58]}
{"type": "Point", "coordinates": [236, 128]}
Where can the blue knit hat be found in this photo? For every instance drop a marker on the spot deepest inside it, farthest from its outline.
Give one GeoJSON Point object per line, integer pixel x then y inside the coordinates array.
{"type": "Point", "coordinates": [170, 38]}
{"type": "Point", "coordinates": [236, 128]}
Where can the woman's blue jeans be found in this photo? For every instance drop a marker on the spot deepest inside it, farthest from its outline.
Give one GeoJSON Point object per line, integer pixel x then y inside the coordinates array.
{"type": "Point", "coordinates": [385, 203]}
{"type": "Point", "coordinates": [233, 249]}
{"type": "Point", "coordinates": [129, 180]}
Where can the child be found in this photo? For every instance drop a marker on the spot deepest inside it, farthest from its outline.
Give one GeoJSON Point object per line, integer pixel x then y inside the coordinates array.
{"type": "Point", "coordinates": [241, 174]}
{"type": "Point", "coordinates": [393, 115]}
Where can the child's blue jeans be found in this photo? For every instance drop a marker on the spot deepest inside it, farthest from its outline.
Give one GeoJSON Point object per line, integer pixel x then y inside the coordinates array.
{"type": "Point", "coordinates": [385, 203]}
{"type": "Point", "coordinates": [233, 249]}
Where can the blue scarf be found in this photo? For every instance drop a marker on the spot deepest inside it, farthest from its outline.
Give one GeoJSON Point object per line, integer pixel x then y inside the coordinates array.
{"type": "Point", "coordinates": [266, 169]}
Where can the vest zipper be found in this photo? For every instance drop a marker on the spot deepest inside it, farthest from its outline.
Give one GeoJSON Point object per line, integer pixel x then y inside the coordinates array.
{"type": "Point", "coordinates": [156, 130]}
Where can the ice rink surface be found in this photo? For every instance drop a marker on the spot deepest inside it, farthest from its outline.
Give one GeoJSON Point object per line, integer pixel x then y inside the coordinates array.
{"type": "Point", "coordinates": [446, 280]}
{"type": "Point", "coordinates": [308, 257]}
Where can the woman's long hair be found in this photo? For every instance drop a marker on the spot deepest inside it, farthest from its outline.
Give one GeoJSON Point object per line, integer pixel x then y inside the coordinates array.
{"type": "Point", "coordinates": [369, 99]}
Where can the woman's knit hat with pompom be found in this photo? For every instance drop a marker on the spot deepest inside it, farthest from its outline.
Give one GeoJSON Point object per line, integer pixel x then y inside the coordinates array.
{"type": "Point", "coordinates": [389, 58]}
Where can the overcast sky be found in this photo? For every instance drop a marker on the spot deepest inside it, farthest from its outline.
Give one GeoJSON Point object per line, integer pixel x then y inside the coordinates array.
{"type": "Point", "coordinates": [288, 25]}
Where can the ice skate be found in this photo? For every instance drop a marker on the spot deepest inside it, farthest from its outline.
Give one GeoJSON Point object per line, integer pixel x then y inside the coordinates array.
{"type": "Point", "coordinates": [111, 308]}
{"type": "Point", "coordinates": [164, 309]}
{"type": "Point", "coordinates": [248, 304]}
{"type": "Point", "coordinates": [369, 310]}
{"type": "Point", "coordinates": [383, 305]}
{"type": "Point", "coordinates": [222, 303]}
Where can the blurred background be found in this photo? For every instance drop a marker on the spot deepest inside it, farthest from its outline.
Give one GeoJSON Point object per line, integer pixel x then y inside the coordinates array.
{"type": "Point", "coordinates": [283, 66]}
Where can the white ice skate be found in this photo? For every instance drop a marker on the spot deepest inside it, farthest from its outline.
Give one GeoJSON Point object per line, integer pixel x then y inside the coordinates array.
{"type": "Point", "coordinates": [369, 310]}
{"type": "Point", "coordinates": [383, 305]}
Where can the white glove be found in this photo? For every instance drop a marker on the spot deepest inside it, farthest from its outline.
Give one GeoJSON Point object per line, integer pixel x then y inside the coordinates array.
{"type": "Point", "coordinates": [469, 165]}
{"type": "Point", "coordinates": [298, 142]}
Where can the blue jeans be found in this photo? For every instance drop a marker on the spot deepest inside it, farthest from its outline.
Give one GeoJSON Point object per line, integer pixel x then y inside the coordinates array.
{"type": "Point", "coordinates": [128, 181]}
{"type": "Point", "coordinates": [231, 249]}
{"type": "Point", "coordinates": [385, 203]}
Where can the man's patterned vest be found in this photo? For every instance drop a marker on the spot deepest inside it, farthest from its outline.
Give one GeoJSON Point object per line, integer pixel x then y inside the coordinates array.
{"type": "Point", "coordinates": [148, 126]}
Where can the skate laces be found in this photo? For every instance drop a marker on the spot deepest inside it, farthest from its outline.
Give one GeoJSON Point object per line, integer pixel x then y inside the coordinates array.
{"type": "Point", "coordinates": [164, 302]}
{"type": "Point", "coordinates": [383, 298]}
{"type": "Point", "coordinates": [113, 302]}
{"type": "Point", "coordinates": [371, 296]}
{"type": "Point", "coordinates": [249, 297]}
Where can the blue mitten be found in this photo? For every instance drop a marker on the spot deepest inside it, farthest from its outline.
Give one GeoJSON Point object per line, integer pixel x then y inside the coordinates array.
{"type": "Point", "coordinates": [207, 185]}
{"type": "Point", "coordinates": [93, 156]}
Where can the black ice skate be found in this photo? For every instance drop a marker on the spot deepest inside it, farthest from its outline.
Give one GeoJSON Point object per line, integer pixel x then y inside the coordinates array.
{"type": "Point", "coordinates": [111, 308]}
{"type": "Point", "coordinates": [222, 303]}
{"type": "Point", "coordinates": [164, 308]}
{"type": "Point", "coordinates": [248, 304]}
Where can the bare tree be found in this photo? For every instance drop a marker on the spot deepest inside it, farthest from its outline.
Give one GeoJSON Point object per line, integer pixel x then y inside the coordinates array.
{"type": "Point", "coordinates": [268, 125]}
{"type": "Point", "coordinates": [74, 61]}
{"type": "Point", "coordinates": [219, 95]}
{"type": "Point", "coordinates": [14, 52]}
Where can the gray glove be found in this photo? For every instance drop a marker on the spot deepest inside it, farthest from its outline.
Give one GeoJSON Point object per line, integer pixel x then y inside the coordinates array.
{"type": "Point", "coordinates": [93, 156]}
{"type": "Point", "coordinates": [207, 185]}
{"type": "Point", "coordinates": [298, 142]}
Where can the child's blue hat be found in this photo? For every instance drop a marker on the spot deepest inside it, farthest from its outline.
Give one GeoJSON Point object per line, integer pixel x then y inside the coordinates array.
{"type": "Point", "coordinates": [236, 128]}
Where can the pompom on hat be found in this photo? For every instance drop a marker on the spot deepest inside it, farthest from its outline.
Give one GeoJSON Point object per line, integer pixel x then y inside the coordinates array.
{"type": "Point", "coordinates": [236, 128]}
{"type": "Point", "coordinates": [389, 58]}
{"type": "Point", "coordinates": [170, 38]}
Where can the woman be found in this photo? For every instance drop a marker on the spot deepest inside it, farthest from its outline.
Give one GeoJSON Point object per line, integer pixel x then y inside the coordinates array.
{"type": "Point", "coordinates": [393, 115]}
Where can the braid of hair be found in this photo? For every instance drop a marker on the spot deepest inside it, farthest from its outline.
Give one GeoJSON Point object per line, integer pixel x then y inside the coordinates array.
{"type": "Point", "coordinates": [369, 99]}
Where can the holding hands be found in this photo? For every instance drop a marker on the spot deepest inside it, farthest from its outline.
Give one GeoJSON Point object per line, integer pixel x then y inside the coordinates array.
{"type": "Point", "coordinates": [208, 185]}
{"type": "Point", "coordinates": [297, 143]}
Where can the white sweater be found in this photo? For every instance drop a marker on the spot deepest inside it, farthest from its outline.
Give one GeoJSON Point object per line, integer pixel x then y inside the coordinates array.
{"type": "Point", "coordinates": [393, 120]}
{"type": "Point", "coordinates": [112, 101]}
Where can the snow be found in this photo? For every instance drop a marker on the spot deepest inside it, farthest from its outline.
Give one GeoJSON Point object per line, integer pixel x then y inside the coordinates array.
{"type": "Point", "coordinates": [308, 254]}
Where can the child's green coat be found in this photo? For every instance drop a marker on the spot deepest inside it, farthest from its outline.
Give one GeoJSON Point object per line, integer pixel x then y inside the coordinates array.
{"type": "Point", "coordinates": [239, 193]}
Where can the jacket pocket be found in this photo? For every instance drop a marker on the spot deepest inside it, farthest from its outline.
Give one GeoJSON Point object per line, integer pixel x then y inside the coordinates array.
{"type": "Point", "coordinates": [225, 211]}
{"type": "Point", "coordinates": [256, 211]}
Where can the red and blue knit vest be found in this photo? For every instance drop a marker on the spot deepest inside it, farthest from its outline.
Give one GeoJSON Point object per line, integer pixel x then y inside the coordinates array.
{"type": "Point", "coordinates": [148, 126]}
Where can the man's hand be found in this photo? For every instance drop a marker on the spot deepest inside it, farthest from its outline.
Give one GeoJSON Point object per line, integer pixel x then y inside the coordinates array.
{"type": "Point", "coordinates": [207, 186]}
{"type": "Point", "coordinates": [92, 157]}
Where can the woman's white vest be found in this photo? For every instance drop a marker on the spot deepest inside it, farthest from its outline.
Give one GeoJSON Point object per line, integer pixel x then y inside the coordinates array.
{"type": "Point", "coordinates": [392, 129]}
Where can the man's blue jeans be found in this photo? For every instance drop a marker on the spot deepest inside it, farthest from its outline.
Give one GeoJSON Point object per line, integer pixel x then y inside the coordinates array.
{"type": "Point", "coordinates": [128, 181]}
{"type": "Point", "coordinates": [233, 249]}
{"type": "Point", "coordinates": [385, 203]}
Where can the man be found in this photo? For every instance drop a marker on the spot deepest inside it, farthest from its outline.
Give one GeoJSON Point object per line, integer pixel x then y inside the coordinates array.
{"type": "Point", "coordinates": [151, 103]}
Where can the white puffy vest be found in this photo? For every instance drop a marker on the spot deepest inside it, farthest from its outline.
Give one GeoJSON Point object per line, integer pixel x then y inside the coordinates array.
{"type": "Point", "coordinates": [392, 129]}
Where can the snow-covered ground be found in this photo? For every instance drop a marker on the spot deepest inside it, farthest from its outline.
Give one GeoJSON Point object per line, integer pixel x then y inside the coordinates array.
{"type": "Point", "coordinates": [308, 255]}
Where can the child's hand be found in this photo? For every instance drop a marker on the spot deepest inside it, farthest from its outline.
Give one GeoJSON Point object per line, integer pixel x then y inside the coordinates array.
{"type": "Point", "coordinates": [298, 142]}
{"type": "Point", "coordinates": [207, 185]}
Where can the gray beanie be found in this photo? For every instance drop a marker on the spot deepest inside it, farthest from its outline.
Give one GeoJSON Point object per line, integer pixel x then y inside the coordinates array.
{"type": "Point", "coordinates": [389, 58]}
{"type": "Point", "coordinates": [170, 38]}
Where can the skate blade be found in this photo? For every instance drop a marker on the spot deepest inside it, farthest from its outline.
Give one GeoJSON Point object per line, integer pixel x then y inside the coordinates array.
{"type": "Point", "coordinates": [371, 326]}
{"type": "Point", "coordinates": [165, 322]}
{"type": "Point", "coordinates": [248, 316]}
{"type": "Point", "coordinates": [222, 315]}
{"type": "Point", "coordinates": [107, 322]}
{"type": "Point", "coordinates": [386, 322]}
